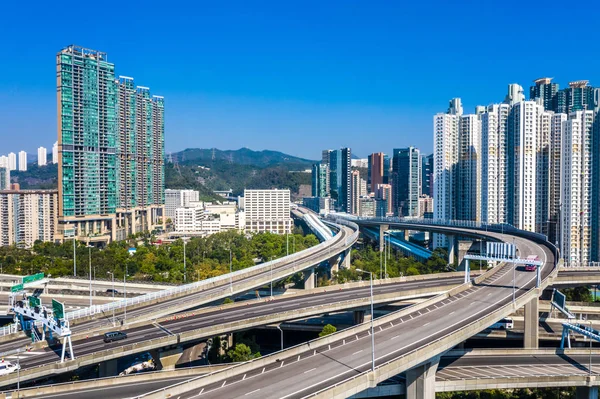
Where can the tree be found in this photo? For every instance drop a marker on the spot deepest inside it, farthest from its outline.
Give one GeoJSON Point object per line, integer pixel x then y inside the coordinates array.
{"type": "Point", "coordinates": [327, 330]}
{"type": "Point", "coordinates": [241, 353]}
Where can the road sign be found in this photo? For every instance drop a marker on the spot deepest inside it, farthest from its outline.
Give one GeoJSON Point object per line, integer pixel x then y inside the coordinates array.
{"type": "Point", "coordinates": [33, 277]}
{"type": "Point", "coordinates": [34, 301]}
{"type": "Point", "coordinates": [16, 288]}
{"type": "Point", "coordinates": [58, 309]}
{"type": "Point", "coordinates": [500, 250]}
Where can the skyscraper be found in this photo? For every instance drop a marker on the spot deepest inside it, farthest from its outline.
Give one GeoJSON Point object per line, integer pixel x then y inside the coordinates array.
{"type": "Point", "coordinates": [427, 175]}
{"type": "Point", "coordinates": [546, 92]}
{"type": "Point", "coordinates": [406, 175]}
{"type": "Point", "coordinates": [42, 155]}
{"type": "Point", "coordinates": [515, 94]}
{"type": "Point", "coordinates": [339, 165]}
{"type": "Point", "coordinates": [4, 176]}
{"type": "Point", "coordinates": [579, 96]}
{"type": "Point", "coordinates": [576, 191]}
{"type": "Point", "coordinates": [95, 135]}
{"type": "Point", "coordinates": [376, 171]}
{"type": "Point", "coordinates": [22, 161]}
{"type": "Point", "coordinates": [554, 177]}
{"type": "Point", "coordinates": [320, 180]}
{"type": "Point", "coordinates": [383, 192]}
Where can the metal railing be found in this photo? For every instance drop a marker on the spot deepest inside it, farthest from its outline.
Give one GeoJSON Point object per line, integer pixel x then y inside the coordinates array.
{"type": "Point", "coordinates": [95, 309]}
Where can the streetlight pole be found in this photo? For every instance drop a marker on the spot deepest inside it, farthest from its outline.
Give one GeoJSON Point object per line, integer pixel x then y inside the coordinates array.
{"type": "Point", "coordinates": [270, 262]}
{"type": "Point", "coordinates": [230, 271]}
{"type": "Point", "coordinates": [184, 265]}
{"type": "Point", "coordinates": [113, 295]}
{"type": "Point", "coordinates": [372, 317]}
{"type": "Point", "coordinates": [514, 271]}
{"type": "Point", "coordinates": [287, 243]}
{"type": "Point", "coordinates": [90, 257]}
{"type": "Point", "coordinates": [382, 250]}
{"type": "Point", "coordinates": [125, 293]}
{"type": "Point", "coordinates": [280, 330]}
{"type": "Point", "coordinates": [74, 259]}
{"type": "Point", "coordinates": [18, 374]}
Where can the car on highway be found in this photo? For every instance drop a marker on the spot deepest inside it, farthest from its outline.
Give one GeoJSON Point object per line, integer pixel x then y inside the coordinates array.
{"type": "Point", "coordinates": [8, 367]}
{"type": "Point", "coordinates": [114, 336]}
{"type": "Point", "coordinates": [504, 324]}
{"type": "Point", "coordinates": [112, 291]}
{"type": "Point", "coordinates": [530, 267]}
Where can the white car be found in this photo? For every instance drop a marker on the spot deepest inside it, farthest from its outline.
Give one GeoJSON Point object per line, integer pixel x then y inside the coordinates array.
{"type": "Point", "coordinates": [8, 367]}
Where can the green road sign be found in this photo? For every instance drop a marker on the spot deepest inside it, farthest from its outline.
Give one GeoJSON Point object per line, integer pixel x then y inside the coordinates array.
{"type": "Point", "coordinates": [33, 277]}
{"type": "Point", "coordinates": [58, 309]}
{"type": "Point", "coordinates": [34, 301]}
{"type": "Point", "coordinates": [16, 288]}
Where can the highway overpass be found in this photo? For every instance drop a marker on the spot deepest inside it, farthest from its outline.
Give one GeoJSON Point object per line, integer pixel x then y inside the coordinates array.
{"type": "Point", "coordinates": [339, 365]}
{"type": "Point", "coordinates": [457, 371]}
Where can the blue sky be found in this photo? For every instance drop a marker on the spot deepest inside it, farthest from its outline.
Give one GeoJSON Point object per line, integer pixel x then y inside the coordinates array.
{"type": "Point", "coordinates": [294, 76]}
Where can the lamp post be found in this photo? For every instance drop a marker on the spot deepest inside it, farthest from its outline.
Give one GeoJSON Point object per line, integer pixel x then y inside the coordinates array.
{"type": "Point", "coordinates": [514, 271]}
{"type": "Point", "coordinates": [271, 264]}
{"type": "Point", "coordinates": [230, 270]}
{"type": "Point", "coordinates": [113, 295]}
{"type": "Point", "coordinates": [280, 330]}
{"type": "Point", "coordinates": [125, 294]}
{"type": "Point", "coordinates": [287, 243]}
{"type": "Point", "coordinates": [90, 258]}
{"type": "Point", "coordinates": [184, 264]}
{"type": "Point", "coordinates": [74, 258]}
{"type": "Point", "coordinates": [18, 374]}
{"type": "Point", "coordinates": [372, 317]}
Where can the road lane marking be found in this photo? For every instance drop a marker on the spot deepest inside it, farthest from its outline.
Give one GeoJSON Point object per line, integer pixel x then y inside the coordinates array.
{"type": "Point", "coordinates": [355, 353]}
{"type": "Point", "coordinates": [426, 323]}
{"type": "Point", "coordinates": [314, 368]}
{"type": "Point", "coordinates": [394, 337]}
{"type": "Point", "coordinates": [249, 393]}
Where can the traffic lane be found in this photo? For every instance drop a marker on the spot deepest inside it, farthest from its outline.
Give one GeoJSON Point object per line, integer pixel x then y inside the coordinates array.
{"type": "Point", "coordinates": [337, 369]}
{"type": "Point", "coordinates": [218, 316]}
{"type": "Point", "coordinates": [116, 392]}
{"type": "Point", "coordinates": [336, 364]}
{"type": "Point", "coordinates": [102, 322]}
{"type": "Point", "coordinates": [506, 360]}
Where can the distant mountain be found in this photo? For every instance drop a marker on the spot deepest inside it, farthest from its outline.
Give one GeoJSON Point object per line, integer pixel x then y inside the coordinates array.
{"type": "Point", "coordinates": [243, 156]}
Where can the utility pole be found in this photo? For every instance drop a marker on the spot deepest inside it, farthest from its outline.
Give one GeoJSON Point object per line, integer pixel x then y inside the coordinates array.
{"type": "Point", "coordinates": [113, 295]}
{"type": "Point", "coordinates": [74, 259]}
{"type": "Point", "coordinates": [90, 257]}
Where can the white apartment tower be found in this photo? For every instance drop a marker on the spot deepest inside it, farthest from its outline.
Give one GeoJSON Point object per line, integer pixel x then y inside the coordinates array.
{"type": "Point", "coordinates": [525, 127]}
{"type": "Point", "coordinates": [554, 168]}
{"type": "Point", "coordinates": [178, 199]}
{"type": "Point", "coordinates": [55, 153]}
{"type": "Point", "coordinates": [28, 215]}
{"type": "Point", "coordinates": [445, 158]}
{"type": "Point", "coordinates": [42, 155]}
{"type": "Point", "coordinates": [493, 163]}
{"type": "Point", "coordinates": [576, 188]}
{"type": "Point", "coordinates": [22, 161]}
{"type": "Point", "coordinates": [12, 161]}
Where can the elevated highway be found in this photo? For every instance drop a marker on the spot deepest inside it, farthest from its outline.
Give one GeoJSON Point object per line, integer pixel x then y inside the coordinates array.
{"type": "Point", "coordinates": [339, 365]}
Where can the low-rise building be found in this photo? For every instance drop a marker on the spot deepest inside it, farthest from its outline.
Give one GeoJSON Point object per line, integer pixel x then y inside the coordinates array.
{"type": "Point", "coordinates": [267, 210]}
{"type": "Point", "coordinates": [205, 218]}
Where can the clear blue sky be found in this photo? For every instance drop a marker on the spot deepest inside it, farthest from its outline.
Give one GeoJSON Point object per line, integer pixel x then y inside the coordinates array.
{"type": "Point", "coordinates": [294, 76]}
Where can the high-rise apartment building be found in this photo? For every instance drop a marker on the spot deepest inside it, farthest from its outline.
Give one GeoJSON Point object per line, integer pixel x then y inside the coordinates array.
{"type": "Point", "coordinates": [468, 202]}
{"type": "Point", "coordinates": [546, 92]}
{"type": "Point", "coordinates": [320, 180]}
{"type": "Point", "coordinates": [445, 158]}
{"type": "Point", "coordinates": [179, 199]}
{"type": "Point", "coordinates": [28, 216]}
{"type": "Point", "coordinates": [106, 132]}
{"type": "Point", "coordinates": [576, 187]}
{"type": "Point", "coordinates": [554, 176]}
{"type": "Point", "coordinates": [376, 170]}
{"type": "Point", "coordinates": [579, 96]}
{"type": "Point", "coordinates": [359, 189]}
{"type": "Point", "coordinates": [12, 161]}
{"type": "Point", "coordinates": [339, 164]}
{"type": "Point", "coordinates": [493, 163]}
{"type": "Point", "coordinates": [267, 211]}
{"type": "Point", "coordinates": [406, 181]}
{"type": "Point", "coordinates": [42, 155]}
{"type": "Point", "coordinates": [22, 161]}
{"type": "Point", "coordinates": [55, 153]}
{"type": "Point", "coordinates": [515, 94]}
{"type": "Point", "coordinates": [427, 175]}
{"type": "Point", "coordinates": [4, 177]}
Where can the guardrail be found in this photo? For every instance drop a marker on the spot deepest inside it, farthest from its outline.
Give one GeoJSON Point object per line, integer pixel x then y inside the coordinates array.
{"type": "Point", "coordinates": [95, 309]}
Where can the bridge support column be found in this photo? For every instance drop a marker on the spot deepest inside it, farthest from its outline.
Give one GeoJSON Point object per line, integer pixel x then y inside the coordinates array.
{"type": "Point", "coordinates": [532, 332]}
{"type": "Point", "coordinates": [359, 317]}
{"type": "Point", "coordinates": [586, 393]}
{"type": "Point", "coordinates": [347, 259]}
{"type": "Point", "coordinates": [167, 359]}
{"type": "Point", "coordinates": [334, 266]}
{"type": "Point", "coordinates": [309, 278]}
{"type": "Point", "coordinates": [451, 248]}
{"type": "Point", "coordinates": [382, 229]}
{"type": "Point", "coordinates": [108, 368]}
{"type": "Point", "coordinates": [420, 381]}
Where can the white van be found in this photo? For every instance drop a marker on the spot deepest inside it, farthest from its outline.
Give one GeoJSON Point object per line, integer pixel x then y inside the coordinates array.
{"type": "Point", "coordinates": [504, 324]}
{"type": "Point", "coordinates": [7, 368]}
